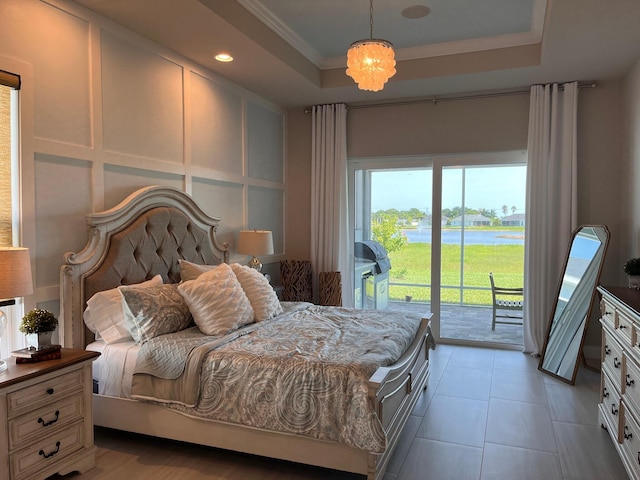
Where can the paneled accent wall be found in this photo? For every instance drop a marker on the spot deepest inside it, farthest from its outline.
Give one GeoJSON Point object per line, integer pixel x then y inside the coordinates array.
{"type": "Point", "coordinates": [114, 112]}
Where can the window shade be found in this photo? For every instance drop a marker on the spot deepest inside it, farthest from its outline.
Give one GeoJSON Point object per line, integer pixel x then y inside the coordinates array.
{"type": "Point", "coordinates": [6, 221]}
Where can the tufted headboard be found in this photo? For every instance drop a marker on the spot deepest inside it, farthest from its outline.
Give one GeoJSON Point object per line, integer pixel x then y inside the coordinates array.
{"type": "Point", "coordinates": [143, 236]}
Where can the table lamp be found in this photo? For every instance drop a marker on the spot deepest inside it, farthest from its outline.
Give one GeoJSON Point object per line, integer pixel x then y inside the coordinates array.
{"type": "Point", "coordinates": [254, 243]}
{"type": "Point", "coordinates": [15, 281]}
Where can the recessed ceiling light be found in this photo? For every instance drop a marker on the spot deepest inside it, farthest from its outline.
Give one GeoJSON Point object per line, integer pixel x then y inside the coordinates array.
{"type": "Point", "coordinates": [224, 57]}
{"type": "Point", "coordinates": [416, 11]}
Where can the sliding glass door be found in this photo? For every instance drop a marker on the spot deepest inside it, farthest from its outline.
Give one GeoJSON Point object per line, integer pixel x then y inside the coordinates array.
{"type": "Point", "coordinates": [446, 223]}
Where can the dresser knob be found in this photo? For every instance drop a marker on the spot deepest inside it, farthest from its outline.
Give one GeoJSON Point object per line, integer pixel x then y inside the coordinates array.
{"type": "Point", "coordinates": [614, 410]}
{"type": "Point", "coordinates": [616, 362]}
{"type": "Point", "coordinates": [605, 394]}
{"type": "Point", "coordinates": [627, 435]}
{"type": "Point", "coordinates": [50, 391]}
{"type": "Point", "coordinates": [607, 350]}
{"type": "Point", "coordinates": [629, 382]}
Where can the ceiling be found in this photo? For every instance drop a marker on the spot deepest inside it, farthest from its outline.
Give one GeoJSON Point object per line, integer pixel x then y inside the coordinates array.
{"type": "Point", "coordinates": [293, 52]}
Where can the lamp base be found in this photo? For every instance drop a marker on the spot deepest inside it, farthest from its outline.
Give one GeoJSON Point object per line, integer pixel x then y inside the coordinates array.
{"type": "Point", "coordinates": [3, 365]}
{"type": "Point", "coordinates": [255, 263]}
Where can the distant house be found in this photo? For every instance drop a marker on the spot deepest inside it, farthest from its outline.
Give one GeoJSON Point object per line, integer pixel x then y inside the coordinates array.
{"type": "Point", "coordinates": [426, 221]}
{"type": "Point", "coordinates": [471, 220]}
{"type": "Point", "coordinates": [515, 220]}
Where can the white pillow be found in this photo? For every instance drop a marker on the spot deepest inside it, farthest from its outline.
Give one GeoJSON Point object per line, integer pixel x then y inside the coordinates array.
{"type": "Point", "coordinates": [191, 271]}
{"type": "Point", "coordinates": [261, 294]}
{"type": "Point", "coordinates": [216, 301]}
{"type": "Point", "coordinates": [104, 315]}
{"type": "Point", "coordinates": [153, 311]}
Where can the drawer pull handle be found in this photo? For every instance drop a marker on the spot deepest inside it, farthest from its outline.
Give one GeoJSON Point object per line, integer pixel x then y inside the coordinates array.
{"type": "Point", "coordinates": [614, 410]}
{"type": "Point", "coordinates": [627, 435]}
{"type": "Point", "coordinates": [50, 391]}
{"type": "Point", "coordinates": [629, 382]}
{"type": "Point", "coordinates": [616, 362]}
{"type": "Point", "coordinates": [605, 394]}
{"type": "Point", "coordinates": [47, 455]}
{"type": "Point", "coordinates": [50, 422]}
{"type": "Point", "coordinates": [622, 325]}
{"type": "Point", "coordinates": [607, 350]}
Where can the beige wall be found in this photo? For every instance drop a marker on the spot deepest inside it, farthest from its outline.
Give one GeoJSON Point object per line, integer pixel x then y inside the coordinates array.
{"type": "Point", "coordinates": [105, 112]}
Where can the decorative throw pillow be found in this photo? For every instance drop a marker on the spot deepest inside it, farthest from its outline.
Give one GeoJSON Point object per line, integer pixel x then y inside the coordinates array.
{"type": "Point", "coordinates": [191, 271]}
{"type": "Point", "coordinates": [104, 315]}
{"type": "Point", "coordinates": [216, 301]}
{"type": "Point", "coordinates": [261, 294]}
{"type": "Point", "coordinates": [154, 311]}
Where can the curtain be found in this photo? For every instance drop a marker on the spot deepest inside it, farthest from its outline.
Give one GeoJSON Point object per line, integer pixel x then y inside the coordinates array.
{"type": "Point", "coordinates": [551, 202]}
{"type": "Point", "coordinates": [330, 237]}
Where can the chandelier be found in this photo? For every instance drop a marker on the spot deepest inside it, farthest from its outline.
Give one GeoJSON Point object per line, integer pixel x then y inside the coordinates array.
{"type": "Point", "coordinates": [371, 62]}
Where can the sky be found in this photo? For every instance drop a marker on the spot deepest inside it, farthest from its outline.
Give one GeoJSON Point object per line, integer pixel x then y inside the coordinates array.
{"type": "Point", "coordinates": [485, 187]}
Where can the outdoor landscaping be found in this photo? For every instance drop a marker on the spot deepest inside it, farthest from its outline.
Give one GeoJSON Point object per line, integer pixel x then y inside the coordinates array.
{"type": "Point", "coordinates": [410, 273]}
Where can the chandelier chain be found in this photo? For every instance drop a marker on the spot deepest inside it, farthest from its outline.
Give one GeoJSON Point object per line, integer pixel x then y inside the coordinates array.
{"type": "Point", "coordinates": [371, 19]}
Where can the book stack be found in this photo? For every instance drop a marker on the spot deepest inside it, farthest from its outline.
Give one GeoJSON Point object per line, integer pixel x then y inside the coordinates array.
{"type": "Point", "coordinates": [32, 354]}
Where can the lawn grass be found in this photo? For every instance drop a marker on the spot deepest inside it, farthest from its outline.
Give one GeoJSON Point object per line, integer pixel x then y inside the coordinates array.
{"type": "Point", "coordinates": [412, 265]}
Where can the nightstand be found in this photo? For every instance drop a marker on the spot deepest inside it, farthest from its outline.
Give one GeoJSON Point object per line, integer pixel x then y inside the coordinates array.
{"type": "Point", "coordinates": [47, 416]}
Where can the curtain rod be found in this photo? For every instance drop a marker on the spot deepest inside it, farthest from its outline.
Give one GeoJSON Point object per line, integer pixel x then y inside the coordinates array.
{"type": "Point", "coordinates": [435, 99]}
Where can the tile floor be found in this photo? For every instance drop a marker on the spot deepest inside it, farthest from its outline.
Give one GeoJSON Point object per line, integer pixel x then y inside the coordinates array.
{"type": "Point", "coordinates": [490, 414]}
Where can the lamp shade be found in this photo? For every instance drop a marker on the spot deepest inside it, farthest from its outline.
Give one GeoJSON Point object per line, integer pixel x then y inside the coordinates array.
{"type": "Point", "coordinates": [255, 242]}
{"type": "Point", "coordinates": [15, 272]}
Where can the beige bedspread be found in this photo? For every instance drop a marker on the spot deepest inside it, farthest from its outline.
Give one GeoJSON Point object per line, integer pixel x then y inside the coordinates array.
{"type": "Point", "coordinates": [303, 373]}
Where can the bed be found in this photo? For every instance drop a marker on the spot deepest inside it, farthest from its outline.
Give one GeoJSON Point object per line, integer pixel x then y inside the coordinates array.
{"type": "Point", "coordinates": [150, 235]}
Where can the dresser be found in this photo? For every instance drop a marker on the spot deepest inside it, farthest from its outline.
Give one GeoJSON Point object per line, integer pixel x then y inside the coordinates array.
{"type": "Point", "coordinates": [619, 407]}
{"type": "Point", "coordinates": [47, 417]}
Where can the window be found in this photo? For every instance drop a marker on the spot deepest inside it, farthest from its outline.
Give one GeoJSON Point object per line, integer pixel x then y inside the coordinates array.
{"type": "Point", "coordinates": [9, 191]}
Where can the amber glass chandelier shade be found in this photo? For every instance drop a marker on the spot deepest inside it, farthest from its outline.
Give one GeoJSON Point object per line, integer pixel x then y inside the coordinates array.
{"type": "Point", "coordinates": [371, 63]}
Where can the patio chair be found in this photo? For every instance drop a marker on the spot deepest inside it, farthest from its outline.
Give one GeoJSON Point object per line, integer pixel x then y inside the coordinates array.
{"type": "Point", "coordinates": [507, 305]}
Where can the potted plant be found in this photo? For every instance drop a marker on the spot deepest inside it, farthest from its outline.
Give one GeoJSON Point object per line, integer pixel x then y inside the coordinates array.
{"type": "Point", "coordinates": [40, 322]}
{"type": "Point", "coordinates": [632, 269]}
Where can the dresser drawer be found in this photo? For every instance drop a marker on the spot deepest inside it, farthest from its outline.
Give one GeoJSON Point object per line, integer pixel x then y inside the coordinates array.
{"type": "Point", "coordinates": [27, 428]}
{"type": "Point", "coordinates": [46, 452]}
{"type": "Point", "coordinates": [610, 401]}
{"type": "Point", "coordinates": [612, 357]}
{"type": "Point", "coordinates": [607, 314]}
{"type": "Point", "coordinates": [44, 393]}
{"type": "Point", "coordinates": [631, 439]}
{"type": "Point", "coordinates": [624, 327]}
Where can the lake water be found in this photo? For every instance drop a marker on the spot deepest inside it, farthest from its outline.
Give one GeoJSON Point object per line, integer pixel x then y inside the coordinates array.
{"type": "Point", "coordinates": [471, 237]}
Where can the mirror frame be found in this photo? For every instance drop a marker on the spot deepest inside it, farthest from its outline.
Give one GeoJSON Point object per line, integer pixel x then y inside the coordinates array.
{"type": "Point", "coordinates": [589, 308]}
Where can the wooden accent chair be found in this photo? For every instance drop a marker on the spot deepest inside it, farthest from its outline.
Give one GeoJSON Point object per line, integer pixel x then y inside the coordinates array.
{"type": "Point", "coordinates": [505, 302]}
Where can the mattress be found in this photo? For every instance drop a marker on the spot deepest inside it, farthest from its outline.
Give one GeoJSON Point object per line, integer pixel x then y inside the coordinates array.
{"type": "Point", "coordinates": [113, 369]}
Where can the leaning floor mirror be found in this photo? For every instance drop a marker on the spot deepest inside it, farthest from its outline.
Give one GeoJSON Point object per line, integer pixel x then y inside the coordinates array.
{"type": "Point", "coordinates": [562, 349]}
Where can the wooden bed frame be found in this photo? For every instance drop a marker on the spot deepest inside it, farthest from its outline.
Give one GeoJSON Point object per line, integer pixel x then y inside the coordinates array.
{"type": "Point", "coordinates": [145, 235]}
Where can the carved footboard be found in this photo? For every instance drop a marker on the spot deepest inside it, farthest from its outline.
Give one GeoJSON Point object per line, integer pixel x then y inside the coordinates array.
{"type": "Point", "coordinates": [394, 392]}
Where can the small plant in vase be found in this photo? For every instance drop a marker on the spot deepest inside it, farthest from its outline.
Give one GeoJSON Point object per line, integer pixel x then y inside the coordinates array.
{"type": "Point", "coordinates": [632, 269]}
{"type": "Point", "coordinates": [41, 323]}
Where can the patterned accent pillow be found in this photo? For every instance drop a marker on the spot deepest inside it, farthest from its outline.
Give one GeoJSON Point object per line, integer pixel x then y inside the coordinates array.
{"type": "Point", "coordinates": [261, 294]}
{"type": "Point", "coordinates": [191, 271]}
{"type": "Point", "coordinates": [104, 315]}
{"type": "Point", "coordinates": [154, 311]}
{"type": "Point", "coordinates": [217, 302]}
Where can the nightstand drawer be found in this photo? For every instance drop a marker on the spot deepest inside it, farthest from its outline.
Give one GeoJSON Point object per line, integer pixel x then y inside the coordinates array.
{"type": "Point", "coordinates": [28, 428]}
{"type": "Point", "coordinates": [44, 393]}
{"type": "Point", "coordinates": [46, 452]}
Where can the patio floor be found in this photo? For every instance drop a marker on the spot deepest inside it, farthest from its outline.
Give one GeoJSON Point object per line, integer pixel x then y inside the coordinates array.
{"type": "Point", "coordinates": [467, 323]}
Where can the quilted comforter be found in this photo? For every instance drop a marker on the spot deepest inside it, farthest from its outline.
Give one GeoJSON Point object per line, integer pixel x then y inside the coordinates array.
{"type": "Point", "coordinates": [304, 372]}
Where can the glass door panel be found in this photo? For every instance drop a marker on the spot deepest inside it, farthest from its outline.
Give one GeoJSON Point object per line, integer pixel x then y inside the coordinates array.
{"type": "Point", "coordinates": [483, 210]}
